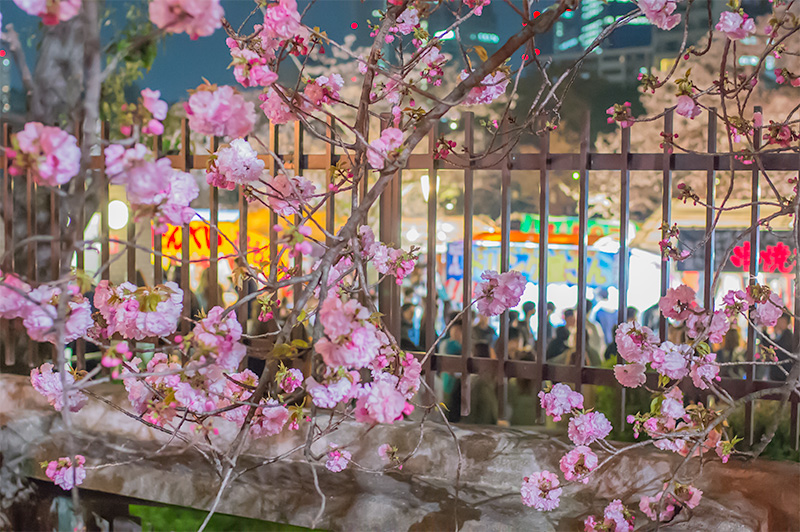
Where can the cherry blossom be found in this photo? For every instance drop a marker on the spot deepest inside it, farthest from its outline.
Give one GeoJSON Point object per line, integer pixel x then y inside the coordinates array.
{"type": "Point", "coordinates": [51, 154]}
{"type": "Point", "coordinates": [51, 11]}
{"type": "Point", "coordinates": [716, 325]}
{"type": "Point", "coordinates": [291, 380]}
{"type": "Point", "coordinates": [338, 460]}
{"type": "Point", "coordinates": [735, 25]}
{"type": "Point", "coordinates": [768, 312]}
{"type": "Point", "coordinates": [40, 316]}
{"type": "Point", "coordinates": [407, 21]}
{"type": "Point", "coordinates": [198, 18]}
{"type": "Point", "coordinates": [704, 370]}
{"type": "Point", "coordinates": [351, 339]}
{"type": "Point", "coordinates": [678, 303]}
{"type": "Point", "coordinates": [387, 260]}
{"type": "Point", "coordinates": [477, 5]}
{"type": "Point", "coordinates": [288, 195]}
{"type": "Point", "coordinates": [137, 313]}
{"type": "Point", "coordinates": [630, 375]}
{"type": "Point", "coordinates": [13, 303]}
{"type": "Point", "coordinates": [578, 463]}
{"type": "Point", "coordinates": [672, 406]}
{"type": "Point", "coordinates": [635, 342]}
{"type": "Point", "coordinates": [324, 89]}
{"type": "Point", "coordinates": [541, 491]}
{"type": "Point", "coordinates": [282, 21]}
{"type": "Point", "coordinates": [250, 68]}
{"type": "Point", "coordinates": [65, 472]}
{"type": "Point", "coordinates": [560, 400]}
{"type": "Point", "coordinates": [269, 419]}
{"type": "Point", "coordinates": [220, 111]}
{"type": "Point", "coordinates": [490, 88]}
{"type": "Point", "coordinates": [48, 383]}
{"type": "Point", "coordinates": [391, 139]}
{"type": "Point", "coordinates": [687, 106]}
{"type": "Point", "coordinates": [585, 428]}
{"type": "Point", "coordinates": [158, 110]}
{"type": "Point", "coordinates": [499, 292]}
{"type": "Point", "coordinates": [221, 336]}
{"type": "Point", "coordinates": [659, 13]}
{"type": "Point", "coordinates": [671, 360]}
{"type": "Point", "coordinates": [380, 401]}
{"type": "Point", "coordinates": [237, 164]}
{"type": "Point", "coordinates": [276, 110]}
{"type": "Point", "coordinates": [339, 388]}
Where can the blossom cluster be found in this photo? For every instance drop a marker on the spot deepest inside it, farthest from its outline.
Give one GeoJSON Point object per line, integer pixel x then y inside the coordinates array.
{"type": "Point", "coordinates": [616, 518]}
{"type": "Point", "coordinates": [288, 195]}
{"type": "Point", "coordinates": [386, 259]}
{"type": "Point", "coordinates": [51, 11]}
{"type": "Point", "coordinates": [39, 316]}
{"type": "Point", "coordinates": [137, 313]}
{"type": "Point", "coordinates": [197, 18]}
{"type": "Point", "coordinates": [50, 154]}
{"type": "Point", "coordinates": [499, 292]}
{"type": "Point", "coordinates": [237, 164]}
{"type": "Point", "coordinates": [65, 472]}
{"type": "Point", "coordinates": [220, 112]}
{"type": "Point", "coordinates": [49, 384]}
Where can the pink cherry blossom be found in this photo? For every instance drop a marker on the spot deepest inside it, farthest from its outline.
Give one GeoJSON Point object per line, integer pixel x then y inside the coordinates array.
{"type": "Point", "coordinates": [337, 390]}
{"type": "Point", "coordinates": [409, 380]}
{"type": "Point", "coordinates": [276, 110]}
{"type": "Point", "coordinates": [768, 312]}
{"type": "Point", "coordinates": [237, 164]}
{"type": "Point", "coordinates": [338, 460]}
{"type": "Point", "coordinates": [541, 491]}
{"type": "Point", "coordinates": [51, 154]}
{"type": "Point", "coordinates": [477, 5]}
{"type": "Point", "coordinates": [499, 292]}
{"type": "Point", "coordinates": [221, 336]}
{"type": "Point", "coordinates": [390, 140]}
{"type": "Point", "coordinates": [40, 315]}
{"type": "Point", "coordinates": [51, 11]}
{"type": "Point", "coordinates": [630, 375]}
{"type": "Point", "coordinates": [220, 111]}
{"type": "Point", "coordinates": [324, 89]}
{"type": "Point", "coordinates": [250, 68]}
{"type": "Point", "coordinates": [577, 463]}
{"type": "Point", "coordinates": [659, 13]}
{"type": "Point", "coordinates": [292, 380]}
{"type": "Point", "coordinates": [716, 326]}
{"type": "Point", "coordinates": [48, 384]}
{"type": "Point", "coordinates": [387, 260]}
{"type": "Point", "coordinates": [137, 313]}
{"type": "Point", "coordinates": [671, 360]}
{"type": "Point", "coordinates": [585, 428]}
{"type": "Point", "coordinates": [66, 473]}
{"type": "Point", "coordinates": [687, 106]}
{"type": "Point", "coordinates": [282, 21]}
{"type": "Point", "coordinates": [13, 303]}
{"type": "Point", "coordinates": [703, 370]}
{"type": "Point", "coordinates": [678, 303]}
{"type": "Point", "coordinates": [384, 451]}
{"type": "Point", "coordinates": [635, 342]}
{"type": "Point", "coordinates": [351, 340]}
{"type": "Point", "coordinates": [157, 108]}
{"type": "Point", "coordinates": [288, 195]}
{"type": "Point", "coordinates": [736, 26]}
{"type": "Point", "coordinates": [269, 419]}
{"type": "Point", "coordinates": [380, 401]}
{"type": "Point", "coordinates": [617, 518]}
{"type": "Point", "coordinates": [407, 21]}
{"type": "Point", "coordinates": [490, 88]}
{"type": "Point", "coordinates": [198, 18]}
{"type": "Point", "coordinates": [650, 507]}
{"type": "Point", "coordinates": [560, 400]}
{"type": "Point", "coordinates": [672, 405]}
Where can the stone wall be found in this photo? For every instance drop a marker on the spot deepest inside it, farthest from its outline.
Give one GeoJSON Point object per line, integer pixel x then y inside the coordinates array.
{"type": "Point", "coordinates": [740, 495]}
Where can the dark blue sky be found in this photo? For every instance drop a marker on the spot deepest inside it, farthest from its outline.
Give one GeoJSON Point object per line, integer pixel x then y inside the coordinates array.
{"type": "Point", "coordinates": [182, 63]}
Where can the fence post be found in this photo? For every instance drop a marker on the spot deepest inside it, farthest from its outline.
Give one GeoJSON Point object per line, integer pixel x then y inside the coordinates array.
{"type": "Point", "coordinates": [666, 208]}
{"type": "Point", "coordinates": [544, 234]}
{"type": "Point", "coordinates": [583, 217]}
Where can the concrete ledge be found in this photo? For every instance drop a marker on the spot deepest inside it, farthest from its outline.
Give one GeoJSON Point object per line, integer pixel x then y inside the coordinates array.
{"type": "Point", "coordinates": [757, 495]}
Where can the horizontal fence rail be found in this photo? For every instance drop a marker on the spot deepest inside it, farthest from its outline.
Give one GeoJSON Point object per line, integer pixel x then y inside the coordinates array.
{"type": "Point", "coordinates": [540, 165]}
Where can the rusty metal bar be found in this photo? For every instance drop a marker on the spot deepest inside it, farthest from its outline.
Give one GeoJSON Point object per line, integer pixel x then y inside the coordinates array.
{"type": "Point", "coordinates": [711, 179]}
{"type": "Point", "coordinates": [666, 208]}
{"type": "Point", "coordinates": [430, 273]}
{"type": "Point", "coordinates": [755, 244]}
{"type": "Point", "coordinates": [625, 217]}
{"type": "Point", "coordinates": [213, 237]}
{"type": "Point", "coordinates": [469, 209]}
{"type": "Point", "coordinates": [583, 222]}
{"type": "Point", "coordinates": [505, 262]}
{"type": "Point", "coordinates": [544, 234]}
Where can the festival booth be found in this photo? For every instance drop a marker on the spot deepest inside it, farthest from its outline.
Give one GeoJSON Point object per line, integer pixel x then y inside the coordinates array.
{"type": "Point", "coordinates": [602, 262]}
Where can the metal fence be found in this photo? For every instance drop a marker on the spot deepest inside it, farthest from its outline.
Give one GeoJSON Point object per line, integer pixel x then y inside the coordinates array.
{"type": "Point", "coordinates": [539, 164]}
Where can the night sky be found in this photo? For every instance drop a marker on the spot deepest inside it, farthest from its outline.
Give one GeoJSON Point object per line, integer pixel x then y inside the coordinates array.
{"type": "Point", "coordinates": [182, 63]}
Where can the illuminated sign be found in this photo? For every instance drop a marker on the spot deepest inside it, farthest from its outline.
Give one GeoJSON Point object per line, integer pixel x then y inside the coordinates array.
{"type": "Point", "coordinates": [775, 255]}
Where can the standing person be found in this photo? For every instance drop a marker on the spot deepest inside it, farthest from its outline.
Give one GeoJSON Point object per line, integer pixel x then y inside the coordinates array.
{"type": "Point", "coordinates": [605, 314]}
{"type": "Point", "coordinates": [529, 318]}
{"type": "Point", "coordinates": [408, 342]}
{"type": "Point", "coordinates": [483, 333]}
{"type": "Point", "coordinates": [571, 323]}
{"type": "Point", "coordinates": [451, 384]}
{"type": "Point", "coordinates": [551, 309]}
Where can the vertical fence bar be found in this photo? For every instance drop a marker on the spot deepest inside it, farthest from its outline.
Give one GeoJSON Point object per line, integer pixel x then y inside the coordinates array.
{"type": "Point", "coordinates": [297, 289]}
{"type": "Point", "coordinates": [544, 234]}
{"type": "Point", "coordinates": [8, 241]}
{"type": "Point", "coordinates": [395, 299]}
{"type": "Point", "coordinates": [430, 273]}
{"type": "Point", "coordinates": [794, 422]}
{"type": "Point", "coordinates": [55, 233]}
{"type": "Point", "coordinates": [103, 191]}
{"type": "Point", "coordinates": [755, 244]}
{"type": "Point", "coordinates": [243, 291]}
{"type": "Point", "coordinates": [158, 263]}
{"type": "Point", "coordinates": [466, 319]}
{"type": "Point", "coordinates": [666, 209]}
{"type": "Point", "coordinates": [330, 205]}
{"type": "Point", "coordinates": [583, 221]}
{"type": "Point", "coordinates": [30, 197]}
{"type": "Point", "coordinates": [711, 182]}
{"type": "Point", "coordinates": [387, 213]}
{"type": "Point", "coordinates": [213, 236]}
{"type": "Point", "coordinates": [505, 262]}
{"type": "Point", "coordinates": [186, 235]}
{"type": "Point", "coordinates": [624, 251]}
{"type": "Point", "coordinates": [273, 219]}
